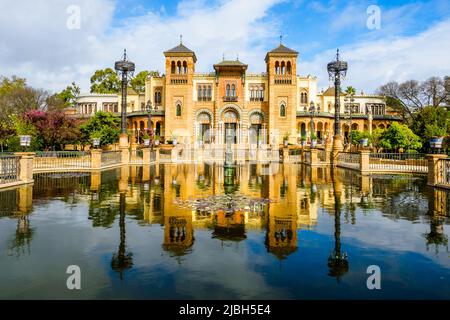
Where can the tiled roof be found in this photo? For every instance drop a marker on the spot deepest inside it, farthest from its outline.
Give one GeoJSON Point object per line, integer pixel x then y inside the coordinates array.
{"type": "Point", "coordinates": [283, 49]}
{"type": "Point", "coordinates": [181, 49]}
{"type": "Point", "coordinates": [230, 63]}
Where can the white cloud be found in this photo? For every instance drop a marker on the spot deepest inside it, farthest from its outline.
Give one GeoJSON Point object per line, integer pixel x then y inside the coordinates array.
{"type": "Point", "coordinates": [375, 62]}
{"type": "Point", "coordinates": [35, 42]}
{"type": "Point", "coordinates": [41, 48]}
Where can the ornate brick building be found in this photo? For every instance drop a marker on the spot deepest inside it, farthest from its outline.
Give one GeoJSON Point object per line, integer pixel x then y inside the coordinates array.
{"type": "Point", "coordinates": [262, 107]}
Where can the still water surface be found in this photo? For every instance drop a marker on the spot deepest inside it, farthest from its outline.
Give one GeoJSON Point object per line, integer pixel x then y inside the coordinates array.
{"type": "Point", "coordinates": [205, 232]}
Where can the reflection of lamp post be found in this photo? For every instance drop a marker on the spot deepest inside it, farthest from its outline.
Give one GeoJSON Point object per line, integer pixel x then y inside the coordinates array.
{"type": "Point", "coordinates": [149, 109]}
{"type": "Point", "coordinates": [25, 141]}
{"type": "Point", "coordinates": [348, 111]}
{"type": "Point", "coordinates": [336, 70]}
{"type": "Point", "coordinates": [122, 260]}
{"type": "Point", "coordinates": [337, 261]}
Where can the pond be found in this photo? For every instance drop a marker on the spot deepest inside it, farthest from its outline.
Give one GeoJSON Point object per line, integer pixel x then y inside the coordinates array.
{"type": "Point", "coordinates": [202, 231]}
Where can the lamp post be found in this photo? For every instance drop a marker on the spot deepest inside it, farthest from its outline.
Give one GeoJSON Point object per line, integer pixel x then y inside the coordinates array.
{"type": "Point", "coordinates": [336, 70]}
{"type": "Point", "coordinates": [149, 108]}
{"type": "Point", "coordinates": [348, 111]}
{"type": "Point", "coordinates": [124, 67]}
{"type": "Point", "coordinates": [25, 142]}
{"type": "Point", "coordinates": [96, 142]}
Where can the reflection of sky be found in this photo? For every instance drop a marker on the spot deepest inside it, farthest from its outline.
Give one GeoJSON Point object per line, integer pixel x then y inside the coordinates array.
{"type": "Point", "coordinates": [214, 269]}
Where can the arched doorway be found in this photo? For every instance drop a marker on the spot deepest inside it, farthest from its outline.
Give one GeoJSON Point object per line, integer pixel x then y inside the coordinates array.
{"type": "Point", "coordinates": [204, 127]}
{"type": "Point", "coordinates": [230, 119]}
{"type": "Point", "coordinates": [256, 127]}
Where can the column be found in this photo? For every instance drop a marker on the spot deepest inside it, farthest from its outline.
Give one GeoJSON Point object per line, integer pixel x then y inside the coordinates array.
{"type": "Point", "coordinates": [26, 166]}
{"type": "Point", "coordinates": [96, 159]}
{"type": "Point", "coordinates": [434, 172]}
{"type": "Point", "coordinates": [364, 164]}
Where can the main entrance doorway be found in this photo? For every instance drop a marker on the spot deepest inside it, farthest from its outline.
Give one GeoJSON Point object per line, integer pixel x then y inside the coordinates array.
{"type": "Point", "coordinates": [230, 119]}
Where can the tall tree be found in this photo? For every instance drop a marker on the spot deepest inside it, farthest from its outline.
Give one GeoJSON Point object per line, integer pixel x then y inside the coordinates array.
{"type": "Point", "coordinates": [138, 82]}
{"type": "Point", "coordinates": [69, 94]}
{"type": "Point", "coordinates": [105, 81]}
{"type": "Point", "coordinates": [103, 125]}
{"type": "Point", "coordinates": [412, 96]}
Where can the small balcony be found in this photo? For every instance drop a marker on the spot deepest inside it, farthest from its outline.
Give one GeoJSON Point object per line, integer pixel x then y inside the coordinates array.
{"type": "Point", "coordinates": [230, 98]}
{"type": "Point", "coordinates": [178, 79]}
{"type": "Point", "coordinates": [283, 79]}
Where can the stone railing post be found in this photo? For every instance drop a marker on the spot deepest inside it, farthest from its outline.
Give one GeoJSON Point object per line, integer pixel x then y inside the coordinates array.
{"type": "Point", "coordinates": [157, 157]}
{"type": "Point", "coordinates": [96, 159]}
{"type": "Point", "coordinates": [146, 156]}
{"type": "Point", "coordinates": [125, 155]}
{"type": "Point", "coordinates": [327, 150]}
{"type": "Point", "coordinates": [364, 161]}
{"type": "Point", "coordinates": [174, 154]}
{"type": "Point", "coordinates": [285, 155]}
{"type": "Point", "coordinates": [434, 168]}
{"type": "Point", "coordinates": [26, 166]}
{"type": "Point", "coordinates": [314, 159]}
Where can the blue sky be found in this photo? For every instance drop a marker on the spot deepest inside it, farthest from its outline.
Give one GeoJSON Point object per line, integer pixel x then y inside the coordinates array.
{"type": "Point", "coordinates": [413, 41]}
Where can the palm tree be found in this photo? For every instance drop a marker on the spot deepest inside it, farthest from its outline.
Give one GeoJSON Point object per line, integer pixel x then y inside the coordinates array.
{"type": "Point", "coordinates": [350, 91]}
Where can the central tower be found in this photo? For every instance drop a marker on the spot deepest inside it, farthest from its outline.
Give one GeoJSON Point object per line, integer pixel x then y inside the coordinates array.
{"type": "Point", "coordinates": [282, 72]}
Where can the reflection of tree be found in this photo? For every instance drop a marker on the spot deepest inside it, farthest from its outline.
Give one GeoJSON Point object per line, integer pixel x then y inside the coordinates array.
{"type": "Point", "coordinates": [122, 260]}
{"type": "Point", "coordinates": [436, 236]}
{"type": "Point", "coordinates": [337, 261]}
{"type": "Point", "coordinates": [23, 236]}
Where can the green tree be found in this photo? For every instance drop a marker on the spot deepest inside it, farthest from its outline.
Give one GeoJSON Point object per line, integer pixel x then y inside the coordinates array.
{"type": "Point", "coordinates": [105, 81]}
{"type": "Point", "coordinates": [431, 121]}
{"type": "Point", "coordinates": [103, 125]}
{"type": "Point", "coordinates": [400, 136]}
{"type": "Point", "coordinates": [138, 82]}
{"type": "Point", "coordinates": [350, 90]}
{"type": "Point", "coordinates": [69, 95]}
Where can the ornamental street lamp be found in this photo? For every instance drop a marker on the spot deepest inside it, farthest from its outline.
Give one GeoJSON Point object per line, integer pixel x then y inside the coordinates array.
{"type": "Point", "coordinates": [348, 111]}
{"type": "Point", "coordinates": [124, 67]}
{"type": "Point", "coordinates": [25, 141]}
{"type": "Point", "coordinates": [336, 70]}
{"type": "Point", "coordinates": [149, 109]}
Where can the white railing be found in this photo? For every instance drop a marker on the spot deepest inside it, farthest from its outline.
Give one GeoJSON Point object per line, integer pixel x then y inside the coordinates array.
{"type": "Point", "coordinates": [110, 158]}
{"type": "Point", "coordinates": [9, 168]}
{"type": "Point", "coordinates": [399, 162]}
{"type": "Point", "coordinates": [349, 160]}
{"type": "Point", "coordinates": [62, 160]}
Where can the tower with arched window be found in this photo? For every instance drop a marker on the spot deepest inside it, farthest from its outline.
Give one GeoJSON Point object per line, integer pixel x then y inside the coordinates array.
{"type": "Point", "coordinates": [178, 93]}
{"type": "Point", "coordinates": [281, 65]}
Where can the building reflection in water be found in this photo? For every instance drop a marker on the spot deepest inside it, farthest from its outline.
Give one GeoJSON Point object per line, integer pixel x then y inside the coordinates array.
{"type": "Point", "coordinates": [151, 195]}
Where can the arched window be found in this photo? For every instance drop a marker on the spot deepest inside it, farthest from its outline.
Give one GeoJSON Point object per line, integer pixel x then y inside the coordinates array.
{"type": "Point", "coordinates": [261, 93]}
{"type": "Point", "coordinates": [288, 67]}
{"type": "Point", "coordinates": [204, 91]}
{"type": "Point", "coordinates": [228, 90]}
{"type": "Point", "coordinates": [199, 93]}
{"type": "Point", "coordinates": [233, 90]}
{"type": "Point", "coordinates": [178, 107]}
{"type": "Point", "coordinates": [184, 67]}
{"type": "Point", "coordinates": [179, 67]}
{"type": "Point", "coordinates": [277, 67]}
{"type": "Point", "coordinates": [283, 68]}
{"type": "Point", "coordinates": [172, 68]}
{"type": "Point", "coordinates": [282, 109]}
{"type": "Point", "coordinates": [209, 92]}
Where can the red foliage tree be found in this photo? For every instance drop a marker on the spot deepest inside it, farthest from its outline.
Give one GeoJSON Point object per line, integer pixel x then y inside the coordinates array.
{"type": "Point", "coordinates": [54, 128]}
